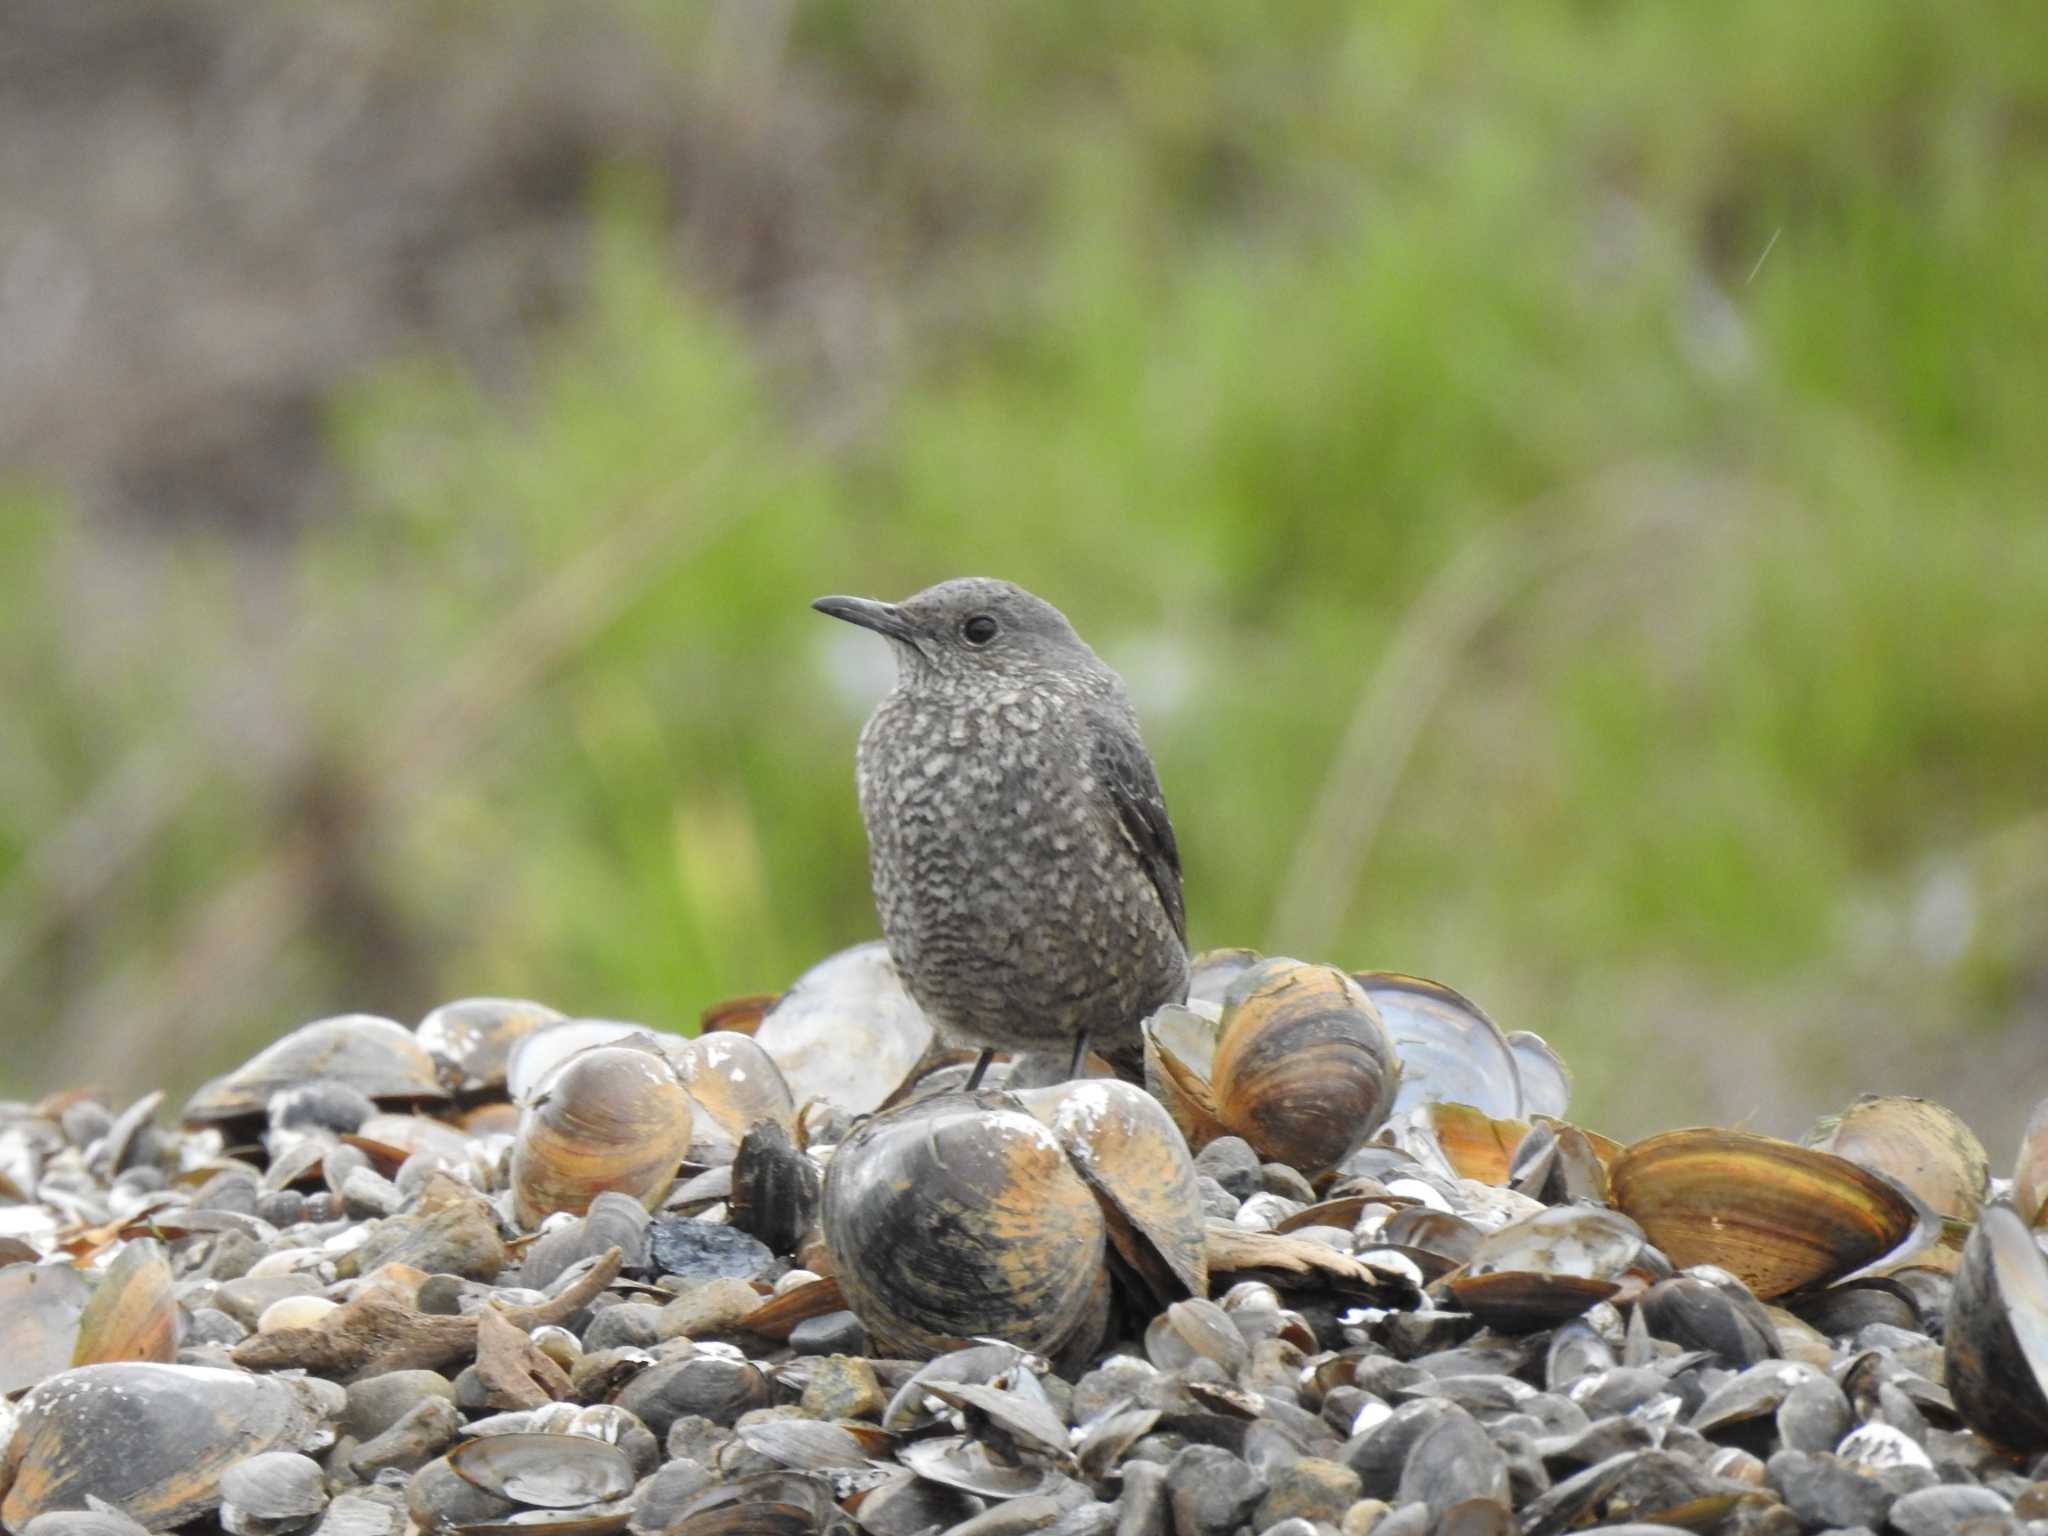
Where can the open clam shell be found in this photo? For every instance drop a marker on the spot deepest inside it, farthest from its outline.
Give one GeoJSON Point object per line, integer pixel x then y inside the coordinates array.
{"type": "Point", "coordinates": [1133, 1157]}
{"type": "Point", "coordinates": [1449, 1049]}
{"type": "Point", "coordinates": [957, 1218]}
{"type": "Point", "coordinates": [1778, 1216]}
{"type": "Point", "coordinates": [1996, 1350]}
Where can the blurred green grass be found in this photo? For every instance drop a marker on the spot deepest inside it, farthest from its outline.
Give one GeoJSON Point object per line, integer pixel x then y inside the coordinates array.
{"type": "Point", "coordinates": [1565, 485]}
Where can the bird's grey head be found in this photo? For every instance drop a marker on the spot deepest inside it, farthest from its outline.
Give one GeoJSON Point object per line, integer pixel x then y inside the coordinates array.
{"type": "Point", "coordinates": [968, 628]}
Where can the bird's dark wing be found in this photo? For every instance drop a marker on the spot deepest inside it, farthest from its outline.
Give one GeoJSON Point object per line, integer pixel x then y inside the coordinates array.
{"type": "Point", "coordinates": [1127, 777]}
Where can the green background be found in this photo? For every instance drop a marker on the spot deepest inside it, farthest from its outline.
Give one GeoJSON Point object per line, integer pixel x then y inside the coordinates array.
{"type": "Point", "coordinates": [1565, 483]}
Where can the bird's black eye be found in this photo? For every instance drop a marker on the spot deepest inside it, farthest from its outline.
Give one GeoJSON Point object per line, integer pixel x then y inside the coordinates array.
{"type": "Point", "coordinates": [978, 630]}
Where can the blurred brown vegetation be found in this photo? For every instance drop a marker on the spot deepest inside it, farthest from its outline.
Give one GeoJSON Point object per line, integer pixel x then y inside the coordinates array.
{"type": "Point", "coordinates": [1565, 487]}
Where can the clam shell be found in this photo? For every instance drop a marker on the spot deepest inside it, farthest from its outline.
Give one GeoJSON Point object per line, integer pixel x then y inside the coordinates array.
{"type": "Point", "coordinates": [1996, 1351]}
{"type": "Point", "coordinates": [41, 1306]}
{"type": "Point", "coordinates": [1128, 1149]}
{"type": "Point", "coordinates": [133, 1314]}
{"type": "Point", "coordinates": [1546, 1081]}
{"type": "Point", "coordinates": [377, 1057]}
{"type": "Point", "coordinates": [2030, 1172]}
{"type": "Point", "coordinates": [151, 1439]}
{"type": "Point", "coordinates": [471, 1040]}
{"type": "Point", "coordinates": [276, 1485]}
{"type": "Point", "coordinates": [846, 1031]}
{"type": "Point", "coordinates": [1914, 1142]}
{"type": "Point", "coordinates": [1778, 1216]}
{"type": "Point", "coordinates": [612, 1118]}
{"type": "Point", "coordinates": [737, 1085]}
{"type": "Point", "coordinates": [1449, 1049]}
{"type": "Point", "coordinates": [1211, 972]}
{"type": "Point", "coordinates": [954, 1219]}
{"type": "Point", "coordinates": [1304, 1068]}
{"type": "Point", "coordinates": [544, 1471]}
{"type": "Point", "coordinates": [1180, 1044]}
{"type": "Point", "coordinates": [537, 1056]}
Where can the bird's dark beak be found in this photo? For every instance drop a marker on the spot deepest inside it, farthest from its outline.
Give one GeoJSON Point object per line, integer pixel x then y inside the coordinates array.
{"type": "Point", "coordinates": [883, 618]}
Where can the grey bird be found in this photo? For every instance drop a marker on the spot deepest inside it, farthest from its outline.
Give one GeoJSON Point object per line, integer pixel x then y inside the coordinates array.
{"type": "Point", "coordinates": [1024, 867]}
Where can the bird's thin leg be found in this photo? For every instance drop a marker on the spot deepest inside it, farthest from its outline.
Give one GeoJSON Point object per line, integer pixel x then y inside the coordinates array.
{"type": "Point", "coordinates": [980, 1066]}
{"type": "Point", "coordinates": [1080, 1055]}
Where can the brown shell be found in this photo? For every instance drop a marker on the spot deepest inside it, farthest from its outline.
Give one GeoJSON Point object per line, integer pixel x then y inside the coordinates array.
{"type": "Point", "coordinates": [1778, 1216]}
{"type": "Point", "coordinates": [133, 1314]}
{"type": "Point", "coordinates": [1914, 1142]}
{"type": "Point", "coordinates": [1995, 1354]}
{"type": "Point", "coordinates": [1304, 1069]}
{"type": "Point", "coordinates": [613, 1117]}
{"type": "Point", "coordinates": [955, 1218]}
{"type": "Point", "coordinates": [1521, 1301]}
{"type": "Point", "coordinates": [1179, 1044]}
{"type": "Point", "coordinates": [737, 1015]}
{"type": "Point", "coordinates": [377, 1057]}
{"type": "Point", "coordinates": [1128, 1149]}
{"type": "Point", "coordinates": [1474, 1143]}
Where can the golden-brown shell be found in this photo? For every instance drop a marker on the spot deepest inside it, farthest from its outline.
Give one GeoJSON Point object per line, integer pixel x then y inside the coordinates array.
{"type": "Point", "coordinates": [1127, 1148]}
{"type": "Point", "coordinates": [1915, 1142]}
{"type": "Point", "coordinates": [1304, 1068]}
{"type": "Point", "coordinates": [1780, 1217]}
{"type": "Point", "coordinates": [613, 1117]}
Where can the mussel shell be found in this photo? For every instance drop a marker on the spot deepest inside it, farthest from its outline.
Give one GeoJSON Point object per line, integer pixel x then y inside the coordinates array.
{"type": "Point", "coordinates": [471, 1040]}
{"type": "Point", "coordinates": [1522, 1301]}
{"type": "Point", "coordinates": [1695, 1315]}
{"type": "Point", "coordinates": [613, 1117]}
{"type": "Point", "coordinates": [955, 1218]}
{"type": "Point", "coordinates": [775, 1188]}
{"type": "Point", "coordinates": [1996, 1350]}
{"type": "Point", "coordinates": [1304, 1068]}
{"type": "Point", "coordinates": [1778, 1216]}
{"type": "Point", "coordinates": [1914, 1142]}
{"type": "Point", "coordinates": [846, 1031]}
{"type": "Point", "coordinates": [1132, 1156]}
{"type": "Point", "coordinates": [1449, 1049]}
{"type": "Point", "coordinates": [378, 1057]}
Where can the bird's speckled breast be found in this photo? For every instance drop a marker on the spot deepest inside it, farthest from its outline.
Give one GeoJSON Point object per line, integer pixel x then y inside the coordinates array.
{"type": "Point", "coordinates": [1005, 890]}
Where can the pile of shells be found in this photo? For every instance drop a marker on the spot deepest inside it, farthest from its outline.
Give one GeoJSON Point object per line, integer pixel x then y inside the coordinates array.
{"type": "Point", "coordinates": [1343, 1264]}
